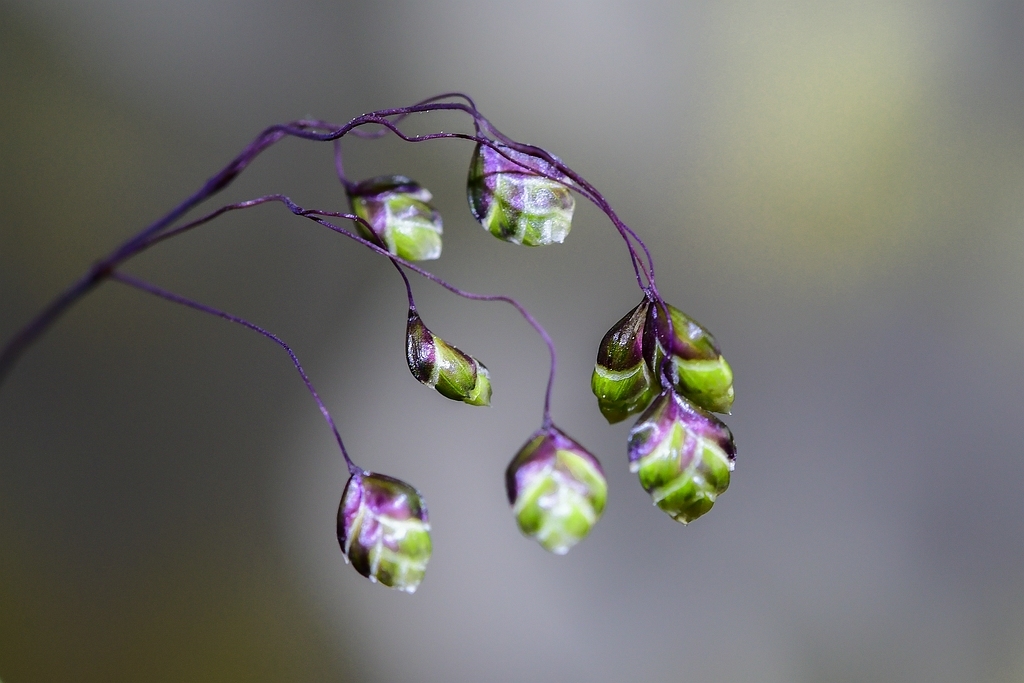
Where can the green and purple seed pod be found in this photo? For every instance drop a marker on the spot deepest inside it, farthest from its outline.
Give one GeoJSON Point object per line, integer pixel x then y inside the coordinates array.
{"type": "Point", "coordinates": [441, 366]}
{"type": "Point", "coordinates": [399, 212]}
{"type": "Point", "coordinates": [683, 455]}
{"type": "Point", "coordinates": [696, 366]}
{"type": "Point", "coordinates": [514, 200]}
{"type": "Point", "coordinates": [557, 490]}
{"type": "Point", "coordinates": [623, 380]}
{"type": "Point", "coordinates": [383, 530]}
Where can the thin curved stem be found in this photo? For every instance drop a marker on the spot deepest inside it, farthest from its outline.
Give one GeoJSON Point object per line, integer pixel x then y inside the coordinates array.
{"type": "Point", "coordinates": [101, 270]}
{"type": "Point", "coordinates": [318, 217]}
{"type": "Point", "coordinates": [184, 301]}
{"type": "Point", "coordinates": [408, 285]}
{"type": "Point", "coordinates": [591, 193]}
{"type": "Point", "coordinates": [390, 118]}
{"type": "Point", "coordinates": [30, 332]}
{"type": "Point", "coordinates": [339, 168]}
{"type": "Point", "coordinates": [579, 184]}
{"type": "Point", "coordinates": [533, 322]}
{"type": "Point", "coordinates": [370, 135]}
{"type": "Point", "coordinates": [323, 132]}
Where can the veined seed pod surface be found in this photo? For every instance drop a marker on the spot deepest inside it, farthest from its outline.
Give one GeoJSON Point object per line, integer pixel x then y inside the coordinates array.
{"type": "Point", "coordinates": [401, 217]}
{"type": "Point", "coordinates": [696, 365]}
{"type": "Point", "coordinates": [441, 366]}
{"type": "Point", "coordinates": [384, 531]}
{"type": "Point", "coordinates": [683, 455]}
{"type": "Point", "coordinates": [514, 202]}
{"type": "Point", "coordinates": [557, 490]}
{"type": "Point", "coordinates": [623, 380]}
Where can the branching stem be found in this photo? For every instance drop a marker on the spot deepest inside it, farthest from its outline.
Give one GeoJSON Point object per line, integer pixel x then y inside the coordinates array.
{"type": "Point", "coordinates": [322, 131]}
{"type": "Point", "coordinates": [320, 217]}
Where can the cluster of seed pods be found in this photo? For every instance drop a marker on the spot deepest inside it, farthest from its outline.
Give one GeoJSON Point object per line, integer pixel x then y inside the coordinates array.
{"type": "Point", "coordinates": [656, 360]}
{"type": "Point", "coordinates": [662, 362]}
{"type": "Point", "coordinates": [556, 488]}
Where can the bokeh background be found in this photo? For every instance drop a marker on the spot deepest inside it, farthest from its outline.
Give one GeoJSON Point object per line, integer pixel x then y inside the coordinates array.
{"type": "Point", "coordinates": [835, 189]}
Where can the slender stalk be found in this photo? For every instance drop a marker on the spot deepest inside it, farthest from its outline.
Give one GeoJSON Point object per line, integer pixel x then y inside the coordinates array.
{"type": "Point", "coordinates": [533, 322]}
{"type": "Point", "coordinates": [323, 132]}
{"type": "Point", "coordinates": [339, 167]}
{"type": "Point", "coordinates": [318, 217]}
{"type": "Point", "coordinates": [408, 285]}
{"type": "Point", "coordinates": [581, 186]}
{"type": "Point", "coordinates": [184, 301]}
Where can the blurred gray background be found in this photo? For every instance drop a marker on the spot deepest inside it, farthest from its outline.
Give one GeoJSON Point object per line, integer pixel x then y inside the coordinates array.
{"type": "Point", "coordinates": [835, 189]}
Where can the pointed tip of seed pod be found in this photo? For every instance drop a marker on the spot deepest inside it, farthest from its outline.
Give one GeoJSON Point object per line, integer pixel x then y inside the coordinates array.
{"type": "Point", "coordinates": [622, 380]}
{"type": "Point", "coordinates": [439, 365]}
{"type": "Point", "coordinates": [480, 394]}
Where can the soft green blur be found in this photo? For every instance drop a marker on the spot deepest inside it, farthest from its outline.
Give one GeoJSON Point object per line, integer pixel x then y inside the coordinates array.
{"type": "Point", "coordinates": [845, 145]}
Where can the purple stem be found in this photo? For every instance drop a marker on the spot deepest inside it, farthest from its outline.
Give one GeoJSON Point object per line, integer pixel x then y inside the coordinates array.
{"type": "Point", "coordinates": [316, 216]}
{"type": "Point", "coordinates": [408, 285]}
{"type": "Point", "coordinates": [308, 130]}
{"type": "Point", "coordinates": [178, 299]}
{"type": "Point", "coordinates": [591, 193]}
{"type": "Point", "coordinates": [581, 185]}
{"type": "Point", "coordinates": [390, 118]}
{"type": "Point", "coordinates": [370, 135]}
{"type": "Point", "coordinates": [339, 168]}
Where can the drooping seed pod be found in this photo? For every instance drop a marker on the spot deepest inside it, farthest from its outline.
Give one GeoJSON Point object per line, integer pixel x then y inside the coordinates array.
{"type": "Point", "coordinates": [623, 380]}
{"type": "Point", "coordinates": [438, 364]}
{"type": "Point", "coordinates": [514, 201]}
{"type": "Point", "coordinates": [557, 490]}
{"type": "Point", "coordinates": [683, 456]}
{"type": "Point", "coordinates": [696, 366]}
{"type": "Point", "coordinates": [383, 530]}
{"type": "Point", "coordinates": [399, 212]}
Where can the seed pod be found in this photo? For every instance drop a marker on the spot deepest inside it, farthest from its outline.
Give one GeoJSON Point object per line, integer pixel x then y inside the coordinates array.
{"type": "Point", "coordinates": [439, 365]}
{"type": "Point", "coordinates": [622, 379]}
{"type": "Point", "coordinates": [383, 530]}
{"type": "Point", "coordinates": [696, 366]}
{"type": "Point", "coordinates": [683, 455]}
{"type": "Point", "coordinates": [513, 201]}
{"type": "Point", "coordinates": [400, 215]}
{"type": "Point", "coordinates": [557, 490]}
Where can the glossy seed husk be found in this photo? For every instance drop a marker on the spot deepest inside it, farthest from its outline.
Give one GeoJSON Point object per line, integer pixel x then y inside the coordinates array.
{"type": "Point", "coordinates": [623, 381]}
{"type": "Point", "coordinates": [384, 531]}
{"type": "Point", "coordinates": [514, 202]}
{"type": "Point", "coordinates": [683, 456]}
{"type": "Point", "coordinates": [557, 490]}
{"type": "Point", "coordinates": [400, 216]}
{"type": "Point", "coordinates": [441, 366]}
{"type": "Point", "coordinates": [696, 366]}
